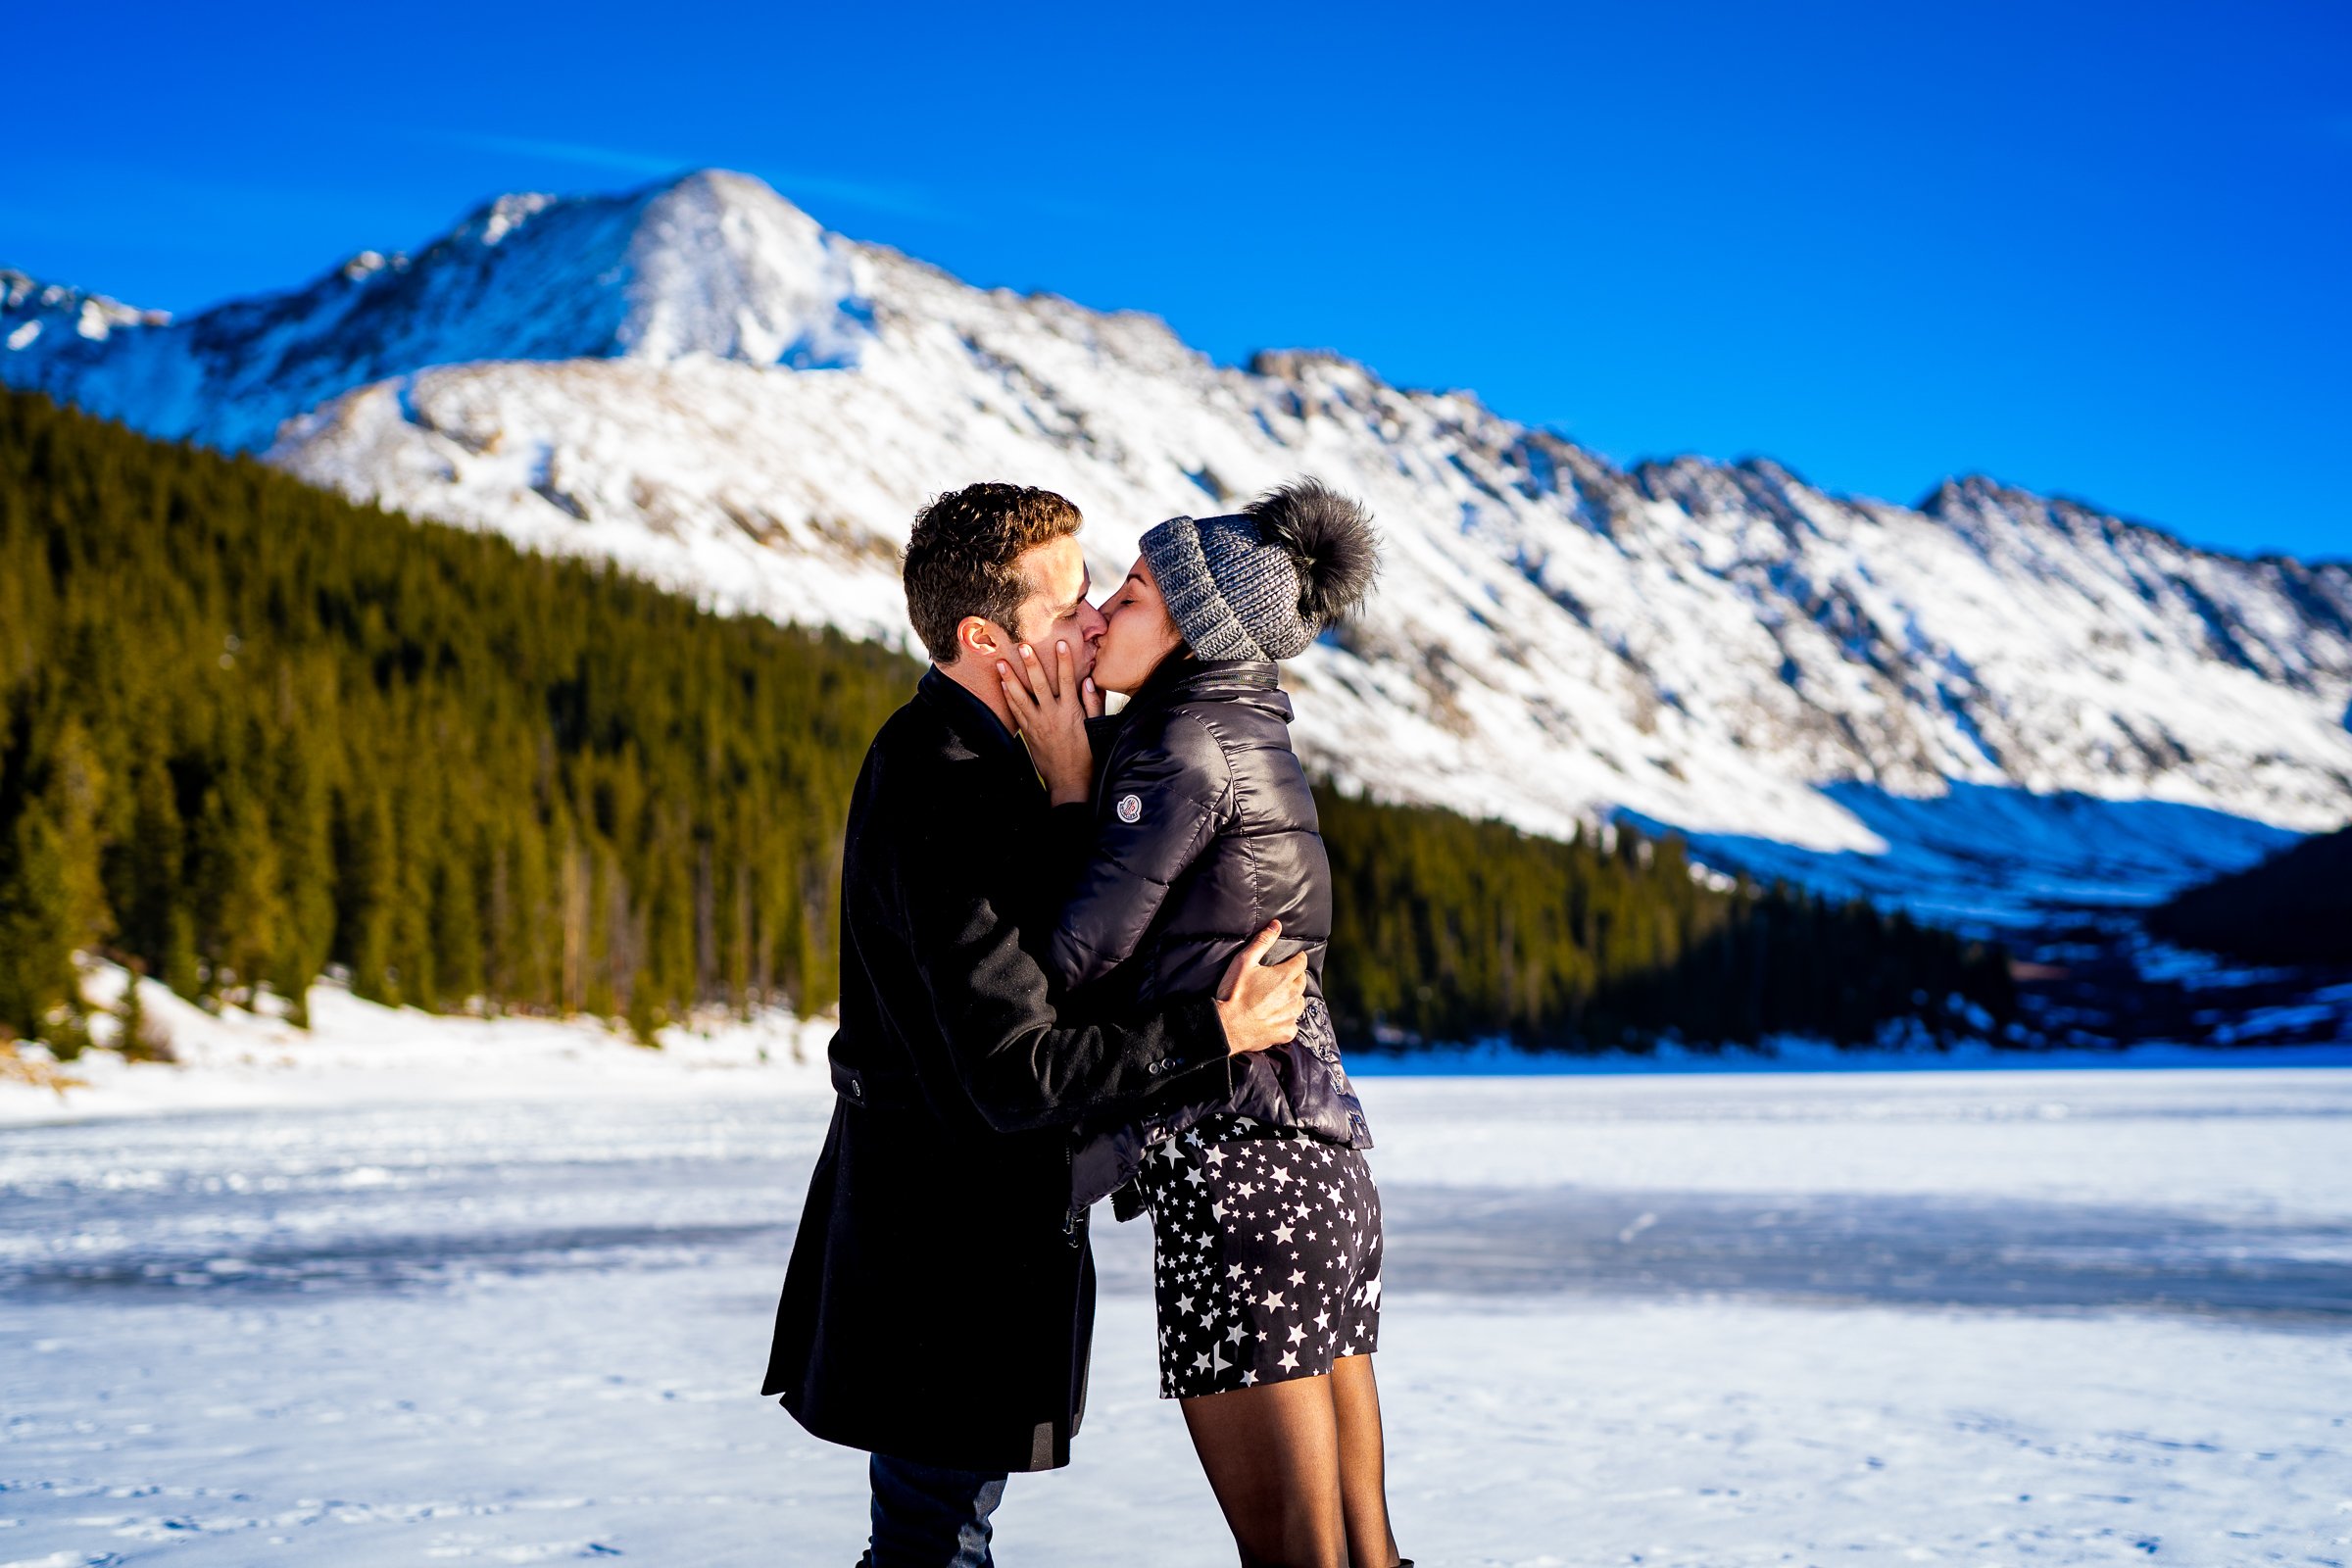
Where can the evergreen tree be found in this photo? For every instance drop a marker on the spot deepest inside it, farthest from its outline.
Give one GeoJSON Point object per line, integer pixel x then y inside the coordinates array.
{"type": "Point", "coordinates": [366, 885]}
{"type": "Point", "coordinates": [149, 867]}
{"type": "Point", "coordinates": [36, 925]}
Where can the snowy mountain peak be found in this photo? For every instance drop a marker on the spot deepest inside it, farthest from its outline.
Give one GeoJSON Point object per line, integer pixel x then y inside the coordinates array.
{"type": "Point", "coordinates": [505, 215]}
{"type": "Point", "coordinates": [371, 262]}
{"type": "Point", "coordinates": [710, 264]}
{"type": "Point", "coordinates": [721, 265]}
{"type": "Point", "coordinates": [30, 310]}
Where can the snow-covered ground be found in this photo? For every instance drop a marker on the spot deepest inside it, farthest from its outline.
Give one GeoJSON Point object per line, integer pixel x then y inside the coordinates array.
{"type": "Point", "coordinates": [356, 1052]}
{"type": "Point", "coordinates": [423, 1290]}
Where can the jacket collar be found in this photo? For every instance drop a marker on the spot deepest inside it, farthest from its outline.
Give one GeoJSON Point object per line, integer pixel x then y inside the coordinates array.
{"type": "Point", "coordinates": [972, 720]}
{"type": "Point", "coordinates": [1181, 677]}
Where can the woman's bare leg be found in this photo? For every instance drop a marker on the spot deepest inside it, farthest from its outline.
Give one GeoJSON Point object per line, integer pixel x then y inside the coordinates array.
{"type": "Point", "coordinates": [1364, 1465]}
{"type": "Point", "coordinates": [1272, 1454]}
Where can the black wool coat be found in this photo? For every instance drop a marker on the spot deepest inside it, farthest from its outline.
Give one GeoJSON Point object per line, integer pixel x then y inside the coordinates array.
{"type": "Point", "coordinates": [940, 1300]}
{"type": "Point", "coordinates": [1204, 829]}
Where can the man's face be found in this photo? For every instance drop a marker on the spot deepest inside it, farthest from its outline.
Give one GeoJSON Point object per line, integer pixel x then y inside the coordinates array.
{"type": "Point", "coordinates": [1057, 609]}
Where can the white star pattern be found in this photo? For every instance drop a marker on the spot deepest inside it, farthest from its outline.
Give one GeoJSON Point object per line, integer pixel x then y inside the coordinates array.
{"type": "Point", "coordinates": [1224, 1322]}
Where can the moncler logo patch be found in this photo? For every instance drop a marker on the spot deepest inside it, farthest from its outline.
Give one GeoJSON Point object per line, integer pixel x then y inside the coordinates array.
{"type": "Point", "coordinates": [1131, 807]}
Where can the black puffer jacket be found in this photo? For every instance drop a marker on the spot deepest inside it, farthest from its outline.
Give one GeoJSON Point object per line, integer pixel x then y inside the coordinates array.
{"type": "Point", "coordinates": [1205, 830]}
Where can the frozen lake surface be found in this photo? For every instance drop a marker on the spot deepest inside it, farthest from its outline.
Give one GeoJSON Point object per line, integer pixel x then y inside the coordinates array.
{"type": "Point", "coordinates": [1983, 1317]}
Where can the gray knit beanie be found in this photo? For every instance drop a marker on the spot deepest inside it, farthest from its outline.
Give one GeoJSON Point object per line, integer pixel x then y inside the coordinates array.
{"type": "Point", "coordinates": [1263, 582]}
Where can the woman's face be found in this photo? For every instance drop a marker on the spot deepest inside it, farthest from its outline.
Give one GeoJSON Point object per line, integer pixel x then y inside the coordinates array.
{"type": "Point", "coordinates": [1140, 633]}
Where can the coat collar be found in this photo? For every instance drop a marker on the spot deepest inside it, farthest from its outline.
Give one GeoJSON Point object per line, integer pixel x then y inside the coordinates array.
{"type": "Point", "coordinates": [972, 722]}
{"type": "Point", "coordinates": [1181, 677]}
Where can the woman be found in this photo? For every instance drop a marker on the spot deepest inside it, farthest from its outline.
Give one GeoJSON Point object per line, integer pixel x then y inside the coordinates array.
{"type": "Point", "coordinates": [1266, 1221]}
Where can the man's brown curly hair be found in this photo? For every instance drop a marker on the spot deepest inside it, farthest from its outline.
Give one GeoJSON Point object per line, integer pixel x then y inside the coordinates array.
{"type": "Point", "coordinates": [960, 561]}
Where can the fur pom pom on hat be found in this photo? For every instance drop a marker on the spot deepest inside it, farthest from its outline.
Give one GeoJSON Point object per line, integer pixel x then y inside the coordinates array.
{"type": "Point", "coordinates": [1264, 581]}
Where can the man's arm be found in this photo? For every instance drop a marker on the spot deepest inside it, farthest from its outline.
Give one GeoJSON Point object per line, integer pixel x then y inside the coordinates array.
{"type": "Point", "coordinates": [1019, 1063]}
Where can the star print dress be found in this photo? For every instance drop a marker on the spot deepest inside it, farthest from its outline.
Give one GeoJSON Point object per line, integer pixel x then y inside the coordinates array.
{"type": "Point", "coordinates": [1267, 1248]}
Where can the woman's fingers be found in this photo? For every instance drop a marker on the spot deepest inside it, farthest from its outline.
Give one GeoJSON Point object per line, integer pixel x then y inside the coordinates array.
{"type": "Point", "coordinates": [1017, 696]}
{"type": "Point", "coordinates": [1060, 687]}
{"type": "Point", "coordinates": [1037, 675]}
{"type": "Point", "coordinates": [1036, 696]}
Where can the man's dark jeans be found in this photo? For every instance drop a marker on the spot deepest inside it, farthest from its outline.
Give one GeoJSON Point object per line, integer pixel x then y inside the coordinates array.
{"type": "Point", "coordinates": [929, 1517]}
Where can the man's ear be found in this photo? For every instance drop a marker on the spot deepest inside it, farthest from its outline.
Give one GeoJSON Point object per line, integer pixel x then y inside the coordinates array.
{"type": "Point", "coordinates": [983, 639]}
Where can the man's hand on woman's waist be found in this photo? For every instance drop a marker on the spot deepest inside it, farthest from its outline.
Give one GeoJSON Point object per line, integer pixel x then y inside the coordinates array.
{"type": "Point", "coordinates": [1259, 1002]}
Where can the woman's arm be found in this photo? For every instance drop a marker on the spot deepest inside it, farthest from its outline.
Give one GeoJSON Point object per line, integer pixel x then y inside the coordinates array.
{"type": "Point", "coordinates": [1160, 804]}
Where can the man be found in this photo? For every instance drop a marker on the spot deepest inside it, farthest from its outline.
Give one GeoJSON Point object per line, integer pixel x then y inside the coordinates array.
{"type": "Point", "coordinates": [939, 1306]}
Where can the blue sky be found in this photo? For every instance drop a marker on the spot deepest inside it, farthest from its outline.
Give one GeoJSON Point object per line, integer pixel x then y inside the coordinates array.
{"type": "Point", "coordinates": [2101, 250]}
